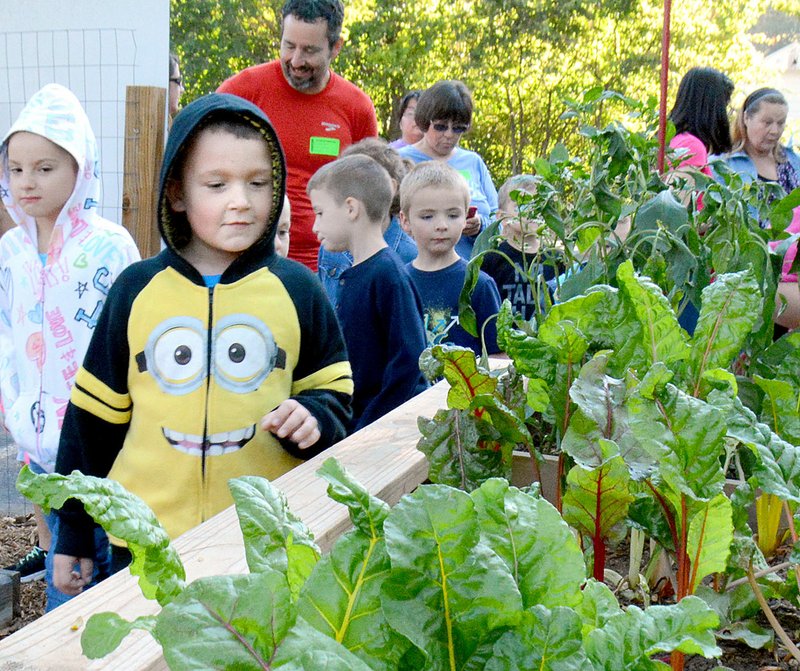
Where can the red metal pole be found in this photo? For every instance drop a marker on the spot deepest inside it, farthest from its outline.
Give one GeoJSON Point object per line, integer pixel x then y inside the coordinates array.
{"type": "Point", "coordinates": [662, 108]}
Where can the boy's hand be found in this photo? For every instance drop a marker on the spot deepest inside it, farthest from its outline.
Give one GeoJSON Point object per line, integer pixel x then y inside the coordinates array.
{"type": "Point", "coordinates": [292, 420]}
{"type": "Point", "coordinates": [473, 225]}
{"type": "Point", "coordinates": [67, 580]}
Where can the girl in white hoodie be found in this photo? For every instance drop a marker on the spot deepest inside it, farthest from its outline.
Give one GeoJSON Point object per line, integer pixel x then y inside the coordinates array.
{"type": "Point", "coordinates": [56, 267]}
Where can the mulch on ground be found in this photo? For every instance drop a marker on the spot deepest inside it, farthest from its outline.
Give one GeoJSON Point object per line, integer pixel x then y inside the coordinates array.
{"type": "Point", "coordinates": [17, 537]}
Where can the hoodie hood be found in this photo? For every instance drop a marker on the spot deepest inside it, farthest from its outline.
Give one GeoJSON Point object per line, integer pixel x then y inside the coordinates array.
{"type": "Point", "coordinates": [56, 114]}
{"type": "Point", "coordinates": [174, 226]}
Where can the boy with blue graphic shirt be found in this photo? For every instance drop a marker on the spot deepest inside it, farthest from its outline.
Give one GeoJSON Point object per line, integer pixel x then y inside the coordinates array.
{"type": "Point", "coordinates": [379, 310]}
{"type": "Point", "coordinates": [434, 199]}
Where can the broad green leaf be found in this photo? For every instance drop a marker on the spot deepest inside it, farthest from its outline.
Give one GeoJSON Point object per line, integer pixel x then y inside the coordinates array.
{"type": "Point", "coordinates": [448, 593]}
{"type": "Point", "coordinates": [781, 360]}
{"type": "Point", "coordinates": [628, 640]}
{"type": "Point", "coordinates": [597, 606]}
{"type": "Point", "coordinates": [243, 620]}
{"type": "Point", "coordinates": [695, 440]}
{"type": "Point", "coordinates": [546, 640]}
{"type": "Point", "coordinates": [538, 395]}
{"type": "Point", "coordinates": [780, 408]}
{"type": "Point", "coordinates": [663, 339]}
{"type": "Point", "coordinates": [455, 618]}
{"type": "Point", "coordinates": [730, 309]}
{"type": "Point", "coordinates": [596, 500]}
{"type": "Point", "coordinates": [124, 516]}
{"type": "Point", "coordinates": [522, 530]}
{"type": "Point", "coordinates": [456, 454]}
{"type": "Point", "coordinates": [710, 537]}
{"type": "Point", "coordinates": [531, 356]}
{"type": "Point", "coordinates": [274, 538]}
{"type": "Point", "coordinates": [341, 599]}
{"type": "Point", "coordinates": [105, 631]}
{"type": "Point", "coordinates": [777, 469]}
{"type": "Point", "coordinates": [466, 313]}
{"type": "Point", "coordinates": [367, 512]}
{"type": "Point", "coordinates": [461, 370]}
{"type": "Point", "coordinates": [737, 610]}
{"type": "Point", "coordinates": [306, 649]}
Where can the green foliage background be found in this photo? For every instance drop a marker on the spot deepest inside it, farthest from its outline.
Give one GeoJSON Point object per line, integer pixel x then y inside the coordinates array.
{"type": "Point", "coordinates": [521, 58]}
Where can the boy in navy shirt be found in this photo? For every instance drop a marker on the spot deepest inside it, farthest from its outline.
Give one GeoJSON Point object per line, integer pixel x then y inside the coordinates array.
{"type": "Point", "coordinates": [379, 311]}
{"type": "Point", "coordinates": [434, 199]}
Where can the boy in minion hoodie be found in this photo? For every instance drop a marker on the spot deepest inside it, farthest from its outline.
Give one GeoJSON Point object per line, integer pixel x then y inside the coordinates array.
{"type": "Point", "coordinates": [214, 359]}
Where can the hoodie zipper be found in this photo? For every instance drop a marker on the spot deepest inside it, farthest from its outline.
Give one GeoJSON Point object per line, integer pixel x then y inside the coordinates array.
{"type": "Point", "coordinates": [208, 394]}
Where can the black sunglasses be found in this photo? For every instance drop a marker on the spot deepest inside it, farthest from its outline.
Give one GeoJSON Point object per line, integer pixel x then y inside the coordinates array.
{"type": "Point", "coordinates": [458, 129]}
{"type": "Point", "coordinates": [177, 80]}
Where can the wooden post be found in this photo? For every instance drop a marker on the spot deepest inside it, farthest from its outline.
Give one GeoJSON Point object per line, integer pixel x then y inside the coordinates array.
{"type": "Point", "coordinates": [145, 107]}
{"type": "Point", "coordinates": [9, 596]}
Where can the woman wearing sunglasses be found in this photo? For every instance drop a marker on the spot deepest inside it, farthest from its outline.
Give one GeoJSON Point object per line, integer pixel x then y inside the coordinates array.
{"type": "Point", "coordinates": [444, 114]}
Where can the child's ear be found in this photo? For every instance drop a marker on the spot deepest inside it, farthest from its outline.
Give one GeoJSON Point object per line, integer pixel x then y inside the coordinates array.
{"type": "Point", "coordinates": [404, 222]}
{"type": "Point", "coordinates": [353, 207]}
{"type": "Point", "coordinates": [175, 196]}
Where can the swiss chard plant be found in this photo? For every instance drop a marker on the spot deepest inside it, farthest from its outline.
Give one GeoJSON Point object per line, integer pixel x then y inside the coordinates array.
{"type": "Point", "coordinates": [444, 580]}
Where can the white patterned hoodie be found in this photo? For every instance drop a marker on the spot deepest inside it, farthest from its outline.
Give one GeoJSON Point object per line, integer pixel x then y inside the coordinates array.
{"type": "Point", "coordinates": [48, 311]}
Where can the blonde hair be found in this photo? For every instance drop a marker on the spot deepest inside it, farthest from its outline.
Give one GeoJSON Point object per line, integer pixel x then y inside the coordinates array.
{"type": "Point", "coordinates": [432, 174]}
{"type": "Point", "coordinates": [750, 106]}
{"type": "Point", "coordinates": [521, 182]}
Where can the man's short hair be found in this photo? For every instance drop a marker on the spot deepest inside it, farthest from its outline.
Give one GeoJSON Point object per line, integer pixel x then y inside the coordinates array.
{"type": "Point", "coordinates": [515, 183]}
{"type": "Point", "coordinates": [310, 11]}
{"type": "Point", "coordinates": [436, 174]}
{"type": "Point", "coordinates": [359, 177]}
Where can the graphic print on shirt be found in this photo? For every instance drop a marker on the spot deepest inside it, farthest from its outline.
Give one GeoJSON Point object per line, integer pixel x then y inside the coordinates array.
{"type": "Point", "coordinates": [242, 354]}
{"type": "Point", "coordinates": [438, 322]}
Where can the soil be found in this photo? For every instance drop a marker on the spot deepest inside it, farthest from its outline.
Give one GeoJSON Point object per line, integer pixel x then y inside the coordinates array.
{"type": "Point", "coordinates": [17, 537]}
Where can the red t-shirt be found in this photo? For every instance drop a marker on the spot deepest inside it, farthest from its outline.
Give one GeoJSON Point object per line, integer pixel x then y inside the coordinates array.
{"type": "Point", "coordinates": [313, 130]}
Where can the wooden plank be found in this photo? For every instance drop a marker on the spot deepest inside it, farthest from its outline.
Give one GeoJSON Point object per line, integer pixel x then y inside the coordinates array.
{"type": "Point", "coordinates": [382, 457]}
{"type": "Point", "coordinates": [145, 107]}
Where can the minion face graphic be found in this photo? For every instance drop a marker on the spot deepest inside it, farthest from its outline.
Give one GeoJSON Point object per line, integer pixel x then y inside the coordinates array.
{"type": "Point", "coordinates": [184, 358]}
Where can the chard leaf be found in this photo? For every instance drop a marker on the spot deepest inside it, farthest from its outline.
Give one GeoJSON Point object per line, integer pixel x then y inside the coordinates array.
{"type": "Point", "coordinates": [546, 640]}
{"type": "Point", "coordinates": [456, 454]}
{"type": "Point", "coordinates": [597, 606]}
{"type": "Point", "coordinates": [274, 538]}
{"type": "Point", "coordinates": [523, 530]}
{"type": "Point", "coordinates": [730, 309]}
{"type": "Point", "coordinates": [466, 378]}
{"type": "Point", "coordinates": [780, 410]}
{"type": "Point", "coordinates": [243, 620]}
{"type": "Point", "coordinates": [710, 537]}
{"type": "Point", "coordinates": [448, 593]}
{"type": "Point", "coordinates": [538, 395]}
{"type": "Point", "coordinates": [341, 599]}
{"type": "Point", "coordinates": [627, 640]}
{"type": "Point", "coordinates": [597, 499]}
{"type": "Point", "coordinates": [455, 621]}
{"type": "Point", "coordinates": [105, 631]}
{"type": "Point", "coordinates": [531, 356]}
{"type": "Point", "coordinates": [367, 512]}
{"type": "Point", "coordinates": [781, 360]}
{"type": "Point", "coordinates": [696, 432]}
{"type": "Point", "coordinates": [510, 425]}
{"type": "Point", "coordinates": [777, 469]}
{"type": "Point", "coordinates": [306, 649]}
{"type": "Point", "coordinates": [155, 560]}
{"type": "Point", "coordinates": [662, 337]}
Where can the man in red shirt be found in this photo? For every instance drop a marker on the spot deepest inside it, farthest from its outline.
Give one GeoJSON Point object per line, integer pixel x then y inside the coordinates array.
{"type": "Point", "coordinates": [315, 112]}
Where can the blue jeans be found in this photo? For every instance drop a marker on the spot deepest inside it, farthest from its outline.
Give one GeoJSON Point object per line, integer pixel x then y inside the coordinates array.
{"type": "Point", "coordinates": [102, 558]}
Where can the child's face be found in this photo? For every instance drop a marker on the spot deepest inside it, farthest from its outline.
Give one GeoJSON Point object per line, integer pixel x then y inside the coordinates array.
{"type": "Point", "coordinates": [226, 193]}
{"type": "Point", "coordinates": [514, 226]}
{"type": "Point", "coordinates": [41, 175]}
{"type": "Point", "coordinates": [331, 223]}
{"type": "Point", "coordinates": [435, 219]}
{"type": "Point", "coordinates": [282, 234]}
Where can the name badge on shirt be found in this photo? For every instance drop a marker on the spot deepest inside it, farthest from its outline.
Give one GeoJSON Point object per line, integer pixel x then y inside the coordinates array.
{"type": "Point", "coordinates": [324, 146]}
